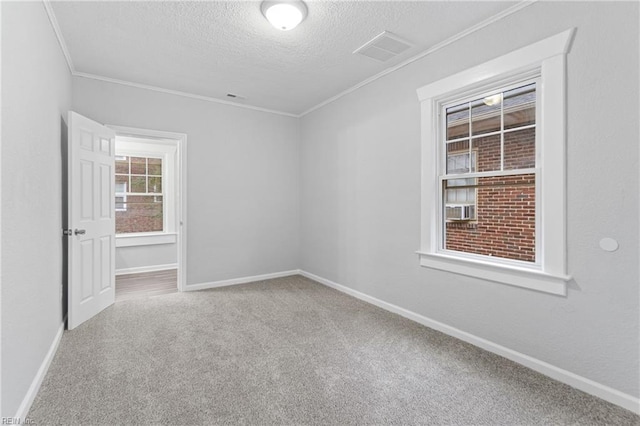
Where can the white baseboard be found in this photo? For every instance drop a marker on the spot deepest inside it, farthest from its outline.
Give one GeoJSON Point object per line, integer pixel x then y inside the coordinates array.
{"type": "Point", "coordinates": [243, 280]}
{"type": "Point", "coordinates": [586, 385]}
{"type": "Point", "coordinates": [25, 406]}
{"type": "Point", "coordinates": [152, 268]}
{"type": "Point", "coordinates": [582, 383]}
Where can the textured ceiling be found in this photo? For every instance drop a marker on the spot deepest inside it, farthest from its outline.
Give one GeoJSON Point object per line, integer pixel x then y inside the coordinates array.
{"type": "Point", "coordinates": [214, 48]}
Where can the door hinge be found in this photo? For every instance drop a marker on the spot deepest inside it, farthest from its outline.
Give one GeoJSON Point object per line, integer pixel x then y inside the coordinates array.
{"type": "Point", "coordinates": [67, 232]}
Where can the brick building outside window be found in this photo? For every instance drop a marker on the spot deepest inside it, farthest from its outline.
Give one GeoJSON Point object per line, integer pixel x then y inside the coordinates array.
{"type": "Point", "coordinates": [139, 194]}
{"type": "Point", "coordinates": [492, 215]}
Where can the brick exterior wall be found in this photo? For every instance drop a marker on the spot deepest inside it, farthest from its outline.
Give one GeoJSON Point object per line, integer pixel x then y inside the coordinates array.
{"type": "Point", "coordinates": [142, 215]}
{"type": "Point", "coordinates": [505, 206]}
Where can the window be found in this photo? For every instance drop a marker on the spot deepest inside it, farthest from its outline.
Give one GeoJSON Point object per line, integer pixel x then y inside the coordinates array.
{"type": "Point", "coordinates": [121, 196]}
{"type": "Point", "coordinates": [145, 197]}
{"type": "Point", "coordinates": [497, 134]}
{"type": "Point", "coordinates": [460, 199]}
{"type": "Point", "coordinates": [493, 189]}
{"type": "Point", "coordinates": [139, 196]}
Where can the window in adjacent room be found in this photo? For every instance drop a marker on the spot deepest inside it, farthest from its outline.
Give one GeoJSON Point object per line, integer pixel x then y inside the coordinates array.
{"type": "Point", "coordinates": [145, 191]}
{"type": "Point", "coordinates": [121, 195]}
{"type": "Point", "coordinates": [139, 195]}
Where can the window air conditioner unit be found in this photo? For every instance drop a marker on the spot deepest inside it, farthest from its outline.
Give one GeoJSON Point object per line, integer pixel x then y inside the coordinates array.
{"type": "Point", "coordinates": [461, 212]}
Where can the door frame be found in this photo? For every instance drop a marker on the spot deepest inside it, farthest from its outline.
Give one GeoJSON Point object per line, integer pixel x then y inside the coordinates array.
{"type": "Point", "coordinates": [181, 187]}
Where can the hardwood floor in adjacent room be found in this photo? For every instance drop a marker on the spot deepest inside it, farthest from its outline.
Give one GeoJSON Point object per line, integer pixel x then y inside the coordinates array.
{"type": "Point", "coordinates": [146, 284]}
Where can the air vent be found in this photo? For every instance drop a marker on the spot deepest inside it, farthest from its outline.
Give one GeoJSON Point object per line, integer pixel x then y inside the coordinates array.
{"type": "Point", "coordinates": [236, 97]}
{"type": "Point", "coordinates": [383, 47]}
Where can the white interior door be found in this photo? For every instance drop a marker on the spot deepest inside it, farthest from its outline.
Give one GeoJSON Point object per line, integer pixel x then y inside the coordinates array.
{"type": "Point", "coordinates": [91, 152]}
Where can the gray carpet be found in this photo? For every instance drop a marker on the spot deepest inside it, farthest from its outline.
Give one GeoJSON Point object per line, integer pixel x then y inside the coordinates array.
{"type": "Point", "coordinates": [290, 351]}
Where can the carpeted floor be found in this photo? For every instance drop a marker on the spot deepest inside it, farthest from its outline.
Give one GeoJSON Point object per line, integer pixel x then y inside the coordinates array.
{"type": "Point", "coordinates": [290, 351]}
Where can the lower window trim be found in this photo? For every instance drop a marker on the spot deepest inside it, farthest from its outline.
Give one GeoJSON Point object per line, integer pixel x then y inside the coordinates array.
{"type": "Point", "coordinates": [131, 240]}
{"type": "Point", "coordinates": [505, 274]}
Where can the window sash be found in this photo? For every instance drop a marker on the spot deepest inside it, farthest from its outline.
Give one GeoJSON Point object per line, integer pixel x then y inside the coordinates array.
{"type": "Point", "coordinates": [123, 195]}
{"type": "Point", "coordinates": [496, 89]}
{"type": "Point", "coordinates": [441, 150]}
{"type": "Point", "coordinates": [146, 175]}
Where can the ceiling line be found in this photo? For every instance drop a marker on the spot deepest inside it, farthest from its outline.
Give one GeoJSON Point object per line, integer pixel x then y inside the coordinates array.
{"type": "Point", "coordinates": [65, 51]}
{"type": "Point", "coordinates": [56, 30]}
{"type": "Point", "coordinates": [503, 14]}
{"type": "Point", "coordinates": [180, 93]}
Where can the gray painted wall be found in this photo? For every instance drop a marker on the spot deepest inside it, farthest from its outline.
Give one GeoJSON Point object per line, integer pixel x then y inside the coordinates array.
{"type": "Point", "coordinates": [349, 178]}
{"type": "Point", "coordinates": [36, 95]}
{"type": "Point", "coordinates": [242, 174]}
{"type": "Point", "coordinates": [360, 202]}
{"type": "Point", "coordinates": [146, 256]}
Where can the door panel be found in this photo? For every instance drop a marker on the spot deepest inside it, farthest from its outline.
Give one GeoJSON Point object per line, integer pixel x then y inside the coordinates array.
{"type": "Point", "coordinates": [86, 181]}
{"type": "Point", "coordinates": [86, 269]}
{"type": "Point", "coordinates": [105, 254]}
{"type": "Point", "coordinates": [106, 176]}
{"type": "Point", "coordinates": [91, 159]}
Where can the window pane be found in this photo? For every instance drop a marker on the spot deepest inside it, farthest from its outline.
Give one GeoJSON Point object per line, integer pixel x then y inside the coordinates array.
{"type": "Point", "coordinates": [520, 149]}
{"type": "Point", "coordinates": [520, 107]}
{"type": "Point", "coordinates": [504, 224]}
{"type": "Point", "coordinates": [122, 183]}
{"type": "Point", "coordinates": [458, 157]}
{"type": "Point", "coordinates": [458, 121]}
{"type": "Point", "coordinates": [121, 189]}
{"type": "Point", "coordinates": [155, 185]}
{"type": "Point", "coordinates": [485, 115]}
{"type": "Point", "coordinates": [138, 166]}
{"type": "Point", "coordinates": [121, 204]}
{"type": "Point", "coordinates": [488, 150]}
{"type": "Point", "coordinates": [122, 164]}
{"type": "Point", "coordinates": [143, 214]}
{"type": "Point", "coordinates": [155, 166]}
{"type": "Point", "coordinates": [138, 184]}
{"type": "Point", "coordinates": [461, 195]}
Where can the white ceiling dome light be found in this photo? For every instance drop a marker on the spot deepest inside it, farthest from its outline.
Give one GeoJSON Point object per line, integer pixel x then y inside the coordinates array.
{"type": "Point", "coordinates": [285, 15]}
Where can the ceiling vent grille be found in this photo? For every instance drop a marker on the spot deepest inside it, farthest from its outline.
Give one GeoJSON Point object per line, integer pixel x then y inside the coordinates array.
{"type": "Point", "coordinates": [383, 47]}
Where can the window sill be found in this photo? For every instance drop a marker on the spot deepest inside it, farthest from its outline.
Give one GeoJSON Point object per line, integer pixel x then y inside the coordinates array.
{"type": "Point", "coordinates": [505, 274]}
{"type": "Point", "coordinates": [132, 240]}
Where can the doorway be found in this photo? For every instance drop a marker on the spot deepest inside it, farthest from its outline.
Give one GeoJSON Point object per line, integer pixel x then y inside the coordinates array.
{"type": "Point", "coordinates": [150, 212]}
{"type": "Point", "coordinates": [146, 284]}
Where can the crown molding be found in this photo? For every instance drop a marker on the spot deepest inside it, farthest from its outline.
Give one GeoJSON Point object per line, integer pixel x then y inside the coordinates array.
{"type": "Point", "coordinates": [497, 17]}
{"type": "Point", "coordinates": [75, 73]}
{"type": "Point", "coordinates": [56, 30]}
{"type": "Point", "coordinates": [180, 93]}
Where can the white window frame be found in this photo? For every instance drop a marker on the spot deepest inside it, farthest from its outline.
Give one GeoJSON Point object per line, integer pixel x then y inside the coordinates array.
{"type": "Point", "coordinates": [167, 150]}
{"type": "Point", "coordinates": [545, 60]}
{"type": "Point", "coordinates": [124, 200]}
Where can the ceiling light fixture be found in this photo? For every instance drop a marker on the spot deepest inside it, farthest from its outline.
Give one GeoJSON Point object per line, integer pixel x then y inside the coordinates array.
{"type": "Point", "coordinates": [285, 15]}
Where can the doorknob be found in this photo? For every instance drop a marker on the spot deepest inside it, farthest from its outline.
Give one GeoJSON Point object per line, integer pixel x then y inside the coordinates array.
{"type": "Point", "coordinates": [80, 231]}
